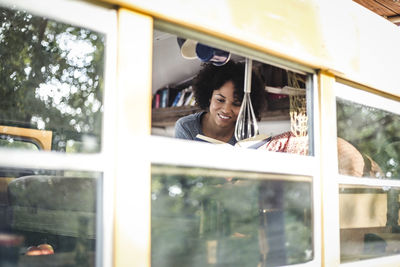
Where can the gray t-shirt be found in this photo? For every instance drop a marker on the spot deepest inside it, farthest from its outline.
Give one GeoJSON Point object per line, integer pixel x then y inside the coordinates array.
{"type": "Point", "coordinates": [189, 126]}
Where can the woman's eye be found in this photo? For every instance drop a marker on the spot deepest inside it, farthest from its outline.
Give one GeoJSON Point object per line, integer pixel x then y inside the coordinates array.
{"type": "Point", "coordinates": [237, 104]}
{"type": "Point", "coordinates": [220, 100]}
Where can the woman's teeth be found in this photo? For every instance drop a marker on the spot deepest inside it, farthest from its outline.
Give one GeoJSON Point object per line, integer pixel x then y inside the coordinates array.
{"type": "Point", "coordinates": [224, 117]}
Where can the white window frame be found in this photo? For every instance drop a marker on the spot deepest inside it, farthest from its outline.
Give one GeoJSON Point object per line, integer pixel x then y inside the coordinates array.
{"type": "Point", "coordinates": [359, 96]}
{"type": "Point", "coordinates": [176, 152]}
{"type": "Point", "coordinates": [102, 19]}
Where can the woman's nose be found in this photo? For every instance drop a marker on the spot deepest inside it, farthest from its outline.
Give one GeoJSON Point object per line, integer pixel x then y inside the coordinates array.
{"type": "Point", "coordinates": [227, 108]}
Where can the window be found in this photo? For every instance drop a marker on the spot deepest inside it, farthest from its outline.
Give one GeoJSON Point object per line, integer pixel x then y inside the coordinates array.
{"type": "Point", "coordinates": [218, 205]}
{"type": "Point", "coordinates": [52, 79]}
{"type": "Point", "coordinates": [286, 93]}
{"type": "Point", "coordinates": [25, 138]}
{"type": "Point", "coordinates": [368, 158]}
{"type": "Point", "coordinates": [369, 221]}
{"type": "Point", "coordinates": [374, 132]}
{"type": "Point", "coordinates": [204, 217]}
{"type": "Point", "coordinates": [55, 208]}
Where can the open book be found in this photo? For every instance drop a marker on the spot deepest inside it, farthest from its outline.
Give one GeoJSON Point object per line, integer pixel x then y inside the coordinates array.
{"type": "Point", "coordinates": [252, 142]}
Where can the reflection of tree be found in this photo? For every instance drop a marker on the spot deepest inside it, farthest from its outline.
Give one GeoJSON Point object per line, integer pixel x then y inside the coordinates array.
{"type": "Point", "coordinates": [374, 132]}
{"type": "Point", "coordinates": [51, 75]}
{"type": "Point", "coordinates": [392, 216]}
{"type": "Point", "coordinates": [190, 213]}
{"type": "Point", "coordinates": [271, 221]}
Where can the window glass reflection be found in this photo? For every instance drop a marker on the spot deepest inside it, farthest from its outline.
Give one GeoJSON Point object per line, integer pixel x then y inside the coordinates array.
{"type": "Point", "coordinates": [20, 144]}
{"type": "Point", "coordinates": [51, 77]}
{"type": "Point", "coordinates": [204, 218]}
{"type": "Point", "coordinates": [48, 217]}
{"type": "Point", "coordinates": [186, 84]}
{"type": "Point", "coordinates": [368, 141]}
{"type": "Point", "coordinates": [369, 222]}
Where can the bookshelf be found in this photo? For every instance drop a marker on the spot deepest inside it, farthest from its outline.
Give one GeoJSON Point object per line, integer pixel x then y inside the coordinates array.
{"type": "Point", "coordinates": [164, 117]}
{"type": "Point", "coordinates": [277, 108]}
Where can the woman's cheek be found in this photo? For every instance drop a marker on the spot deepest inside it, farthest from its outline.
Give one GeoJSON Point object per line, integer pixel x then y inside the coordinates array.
{"type": "Point", "coordinates": [236, 111]}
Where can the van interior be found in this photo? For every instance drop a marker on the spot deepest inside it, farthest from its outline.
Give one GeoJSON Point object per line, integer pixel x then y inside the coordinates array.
{"type": "Point", "coordinates": [173, 73]}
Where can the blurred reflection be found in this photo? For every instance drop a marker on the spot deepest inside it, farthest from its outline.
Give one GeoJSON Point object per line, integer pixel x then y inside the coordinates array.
{"type": "Point", "coordinates": [369, 222]}
{"type": "Point", "coordinates": [51, 79]}
{"type": "Point", "coordinates": [369, 141]}
{"type": "Point", "coordinates": [203, 220]}
{"type": "Point", "coordinates": [52, 215]}
{"type": "Point", "coordinates": [20, 144]}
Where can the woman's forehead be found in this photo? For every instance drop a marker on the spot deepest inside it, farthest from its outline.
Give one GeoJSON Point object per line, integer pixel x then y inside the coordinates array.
{"type": "Point", "coordinates": [227, 91]}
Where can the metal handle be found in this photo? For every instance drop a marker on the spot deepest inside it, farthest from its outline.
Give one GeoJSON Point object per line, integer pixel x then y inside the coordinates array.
{"type": "Point", "coordinates": [247, 75]}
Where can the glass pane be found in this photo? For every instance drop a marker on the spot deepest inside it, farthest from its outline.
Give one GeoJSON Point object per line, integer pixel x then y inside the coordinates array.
{"type": "Point", "coordinates": [206, 217]}
{"type": "Point", "coordinates": [48, 217]}
{"type": "Point", "coordinates": [369, 141]}
{"type": "Point", "coordinates": [369, 222]}
{"type": "Point", "coordinates": [52, 79]}
{"type": "Point", "coordinates": [187, 82]}
{"type": "Point", "coordinates": [20, 144]}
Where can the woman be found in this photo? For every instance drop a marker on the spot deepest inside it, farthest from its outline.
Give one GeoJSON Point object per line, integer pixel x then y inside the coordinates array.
{"type": "Point", "coordinates": [219, 91]}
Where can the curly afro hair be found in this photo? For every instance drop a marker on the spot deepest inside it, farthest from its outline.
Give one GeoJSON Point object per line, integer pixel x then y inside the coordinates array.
{"type": "Point", "coordinates": [213, 77]}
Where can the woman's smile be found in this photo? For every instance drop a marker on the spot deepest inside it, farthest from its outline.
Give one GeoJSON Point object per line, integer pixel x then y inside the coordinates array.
{"type": "Point", "coordinates": [224, 107]}
{"type": "Point", "coordinates": [224, 117]}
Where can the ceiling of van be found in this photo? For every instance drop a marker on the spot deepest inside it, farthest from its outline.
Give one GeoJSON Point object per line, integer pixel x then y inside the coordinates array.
{"type": "Point", "coordinates": [169, 67]}
{"type": "Point", "coordinates": [389, 9]}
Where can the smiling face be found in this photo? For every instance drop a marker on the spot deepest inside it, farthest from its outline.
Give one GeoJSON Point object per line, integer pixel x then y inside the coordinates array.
{"type": "Point", "coordinates": [224, 107]}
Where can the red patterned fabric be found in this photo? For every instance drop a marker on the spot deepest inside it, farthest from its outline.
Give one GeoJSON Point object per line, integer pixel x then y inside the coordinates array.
{"type": "Point", "coordinates": [288, 142]}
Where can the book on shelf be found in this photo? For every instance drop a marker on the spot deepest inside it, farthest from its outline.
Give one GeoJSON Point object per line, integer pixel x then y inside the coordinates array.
{"type": "Point", "coordinates": [173, 94]}
{"type": "Point", "coordinates": [156, 100]}
{"type": "Point", "coordinates": [189, 99]}
{"type": "Point", "coordinates": [185, 94]}
{"type": "Point", "coordinates": [161, 98]}
{"type": "Point", "coordinates": [164, 97]}
{"type": "Point", "coordinates": [173, 97]}
{"type": "Point", "coordinates": [254, 142]}
{"type": "Point", "coordinates": [181, 98]}
{"type": "Point", "coordinates": [176, 100]}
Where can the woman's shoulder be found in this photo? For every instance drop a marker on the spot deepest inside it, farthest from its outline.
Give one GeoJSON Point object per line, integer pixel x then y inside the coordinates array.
{"type": "Point", "coordinates": [189, 119]}
{"type": "Point", "coordinates": [189, 126]}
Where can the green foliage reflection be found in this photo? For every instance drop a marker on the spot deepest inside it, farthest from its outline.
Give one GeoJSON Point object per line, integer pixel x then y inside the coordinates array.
{"type": "Point", "coordinates": [51, 77]}
{"type": "Point", "coordinates": [211, 221]}
{"type": "Point", "coordinates": [373, 132]}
